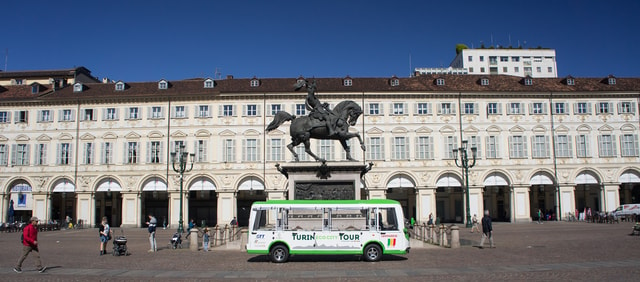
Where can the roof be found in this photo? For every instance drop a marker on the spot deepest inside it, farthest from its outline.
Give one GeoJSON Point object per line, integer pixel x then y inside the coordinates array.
{"type": "Point", "coordinates": [242, 89]}
{"type": "Point", "coordinates": [44, 73]}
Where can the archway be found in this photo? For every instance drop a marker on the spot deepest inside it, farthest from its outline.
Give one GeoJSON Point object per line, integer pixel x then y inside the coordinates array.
{"type": "Point", "coordinates": [108, 202]}
{"type": "Point", "coordinates": [543, 196]}
{"type": "Point", "coordinates": [629, 187]}
{"type": "Point", "coordinates": [155, 201]}
{"type": "Point", "coordinates": [496, 196]}
{"type": "Point", "coordinates": [402, 189]}
{"type": "Point", "coordinates": [250, 190]}
{"type": "Point", "coordinates": [20, 195]}
{"type": "Point", "coordinates": [449, 199]}
{"type": "Point", "coordinates": [587, 193]}
{"type": "Point", "coordinates": [63, 202]}
{"type": "Point", "coordinates": [203, 202]}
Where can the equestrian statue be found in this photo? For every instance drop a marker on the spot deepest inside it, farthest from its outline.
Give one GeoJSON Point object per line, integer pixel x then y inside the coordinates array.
{"type": "Point", "coordinates": [321, 123]}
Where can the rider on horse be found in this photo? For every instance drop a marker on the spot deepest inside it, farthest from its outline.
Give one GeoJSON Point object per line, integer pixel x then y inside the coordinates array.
{"type": "Point", "coordinates": [320, 111]}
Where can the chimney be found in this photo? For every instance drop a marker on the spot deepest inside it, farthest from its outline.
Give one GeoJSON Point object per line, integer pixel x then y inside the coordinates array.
{"type": "Point", "coordinates": [229, 76]}
{"type": "Point", "coordinates": [105, 80]}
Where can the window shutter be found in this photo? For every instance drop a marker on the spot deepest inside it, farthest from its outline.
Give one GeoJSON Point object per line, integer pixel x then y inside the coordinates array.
{"type": "Point", "coordinates": [453, 108]}
{"type": "Point", "coordinates": [244, 149]}
{"type": "Point", "coordinates": [615, 145]}
{"type": "Point", "coordinates": [570, 146]}
{"type": "Point", "coordinates": [499, 106]}
{"type": "Point", "coordinates": [546, 147]}
{"type": "Point", "coordinates": [545, 108]}
{"type": "Point", "coordinates": [525, 147]}
{"type": "Point", "coordinates": [589, 110]}
{"type": "Point", "coordinates": [381, 105]}
{"type": "Point", "coordinates": [531, 108]}
{"type": "Point", "coordinates": [635, 145]}
{"type": "Point", "coordinates": [440, 108]}
{"type": "Point", "coordinates": [611, 107]}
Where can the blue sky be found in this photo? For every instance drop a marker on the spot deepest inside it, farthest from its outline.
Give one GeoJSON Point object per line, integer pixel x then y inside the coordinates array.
{"type": "Point", "coordinates": [150, 40]}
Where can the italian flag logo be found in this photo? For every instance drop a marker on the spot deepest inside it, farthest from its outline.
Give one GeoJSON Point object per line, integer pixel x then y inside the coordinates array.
{"type": "Point", "coordinates": [391, 242]}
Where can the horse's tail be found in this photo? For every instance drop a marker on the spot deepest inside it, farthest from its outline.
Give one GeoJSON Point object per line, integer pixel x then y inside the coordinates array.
{"type": "Point", "coordinates": [279, 119]}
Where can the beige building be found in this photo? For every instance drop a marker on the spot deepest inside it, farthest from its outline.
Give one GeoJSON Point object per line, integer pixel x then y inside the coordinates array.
{"type": "Point", "coordinates": [93, 149]}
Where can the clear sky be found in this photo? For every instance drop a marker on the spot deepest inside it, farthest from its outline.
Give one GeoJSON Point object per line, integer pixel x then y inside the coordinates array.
{"type": "Point", "coordinates": [135, 40]}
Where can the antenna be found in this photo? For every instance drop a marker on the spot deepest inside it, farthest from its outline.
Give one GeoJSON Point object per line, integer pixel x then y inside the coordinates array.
{"type": "Point", "coordinates": [217, 74]}
{"type": "Point", "coordinates": [410, 70]}
{"type": "Point", "coordinates": [6, 58]}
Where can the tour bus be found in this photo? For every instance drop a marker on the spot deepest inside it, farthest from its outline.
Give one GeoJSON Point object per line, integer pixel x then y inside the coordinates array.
{"type": "Point", "coordinates": [370, 228]}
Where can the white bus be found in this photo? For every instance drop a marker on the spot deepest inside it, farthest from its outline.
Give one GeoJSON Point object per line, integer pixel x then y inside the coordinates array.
{"type": "Point", "coordinates": [371, 228]}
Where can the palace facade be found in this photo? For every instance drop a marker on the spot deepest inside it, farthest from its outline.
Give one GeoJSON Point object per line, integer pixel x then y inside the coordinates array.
{"type": "Point", "coordinates": [87, 150]}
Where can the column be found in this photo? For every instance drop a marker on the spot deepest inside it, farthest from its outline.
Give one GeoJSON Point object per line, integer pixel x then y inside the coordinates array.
{"type": "Point", "coordinates": [521, 204]}
{"type": "Point", "coordinates": [611, 196]}
{"type": "Point", "coordinates": [83, 210]}
{"type": "Point", "coordinates": [567, 202]}
{"type": "Point", "coordinates": [226, 206]}
{"type": "Point", "coordinates": [476, 205]}
{"type": "Point", "coordinates": [426, 202]}
{"type": "Point", "coordinates": [131, 210]}
{"type": "Point", "coordinates": [39, 205]}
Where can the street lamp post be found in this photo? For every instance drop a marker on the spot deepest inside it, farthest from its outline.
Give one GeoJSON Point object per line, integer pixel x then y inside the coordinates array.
{"type": "Point", "coordinates": [464, 164]}
{"type": "Point", "coordinates": [181, 159]}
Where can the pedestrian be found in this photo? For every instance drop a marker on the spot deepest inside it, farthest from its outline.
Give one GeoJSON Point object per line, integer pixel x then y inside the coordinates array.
{"type": "Point", "coordinates": [475, 224]}
{"type": "Point", "coordinates": [413, 222]}
{"type": "Point", "coordinates": [430, 222]}
{"type": "Point", "coordinates": [539, 216]}
{"type": "Point", "coordinates": [152, 233]}
{"type": "Point", "coordinates": [205, 239]}
{"type": "Point", "coordinates": [190, 226]}
{"type": "Point", "coordinates": [487, 230]}
{"type": "Point", "coordinates": [103, 232]}
{"type": "Point", "coordinates": [234, 222]}
{"type": "Point", "coordinates": [30, 244]}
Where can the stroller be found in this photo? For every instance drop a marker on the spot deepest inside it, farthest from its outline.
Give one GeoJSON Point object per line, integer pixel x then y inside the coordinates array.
{"type": "Point", "coordinates": [176, 241]}
{"type": "Point", "coordinates": [120, 245]}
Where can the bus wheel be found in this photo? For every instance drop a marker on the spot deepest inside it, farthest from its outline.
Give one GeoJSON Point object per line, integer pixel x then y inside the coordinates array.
{"type": "Point", "coordinates": [372, 252]}
{"type": "Point", "coordinates": [279, 254]}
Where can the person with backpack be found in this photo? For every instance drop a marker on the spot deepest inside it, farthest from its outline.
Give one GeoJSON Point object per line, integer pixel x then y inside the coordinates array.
{"type": "Point", "coordinates": [30, 244]}
{"type": "Point", "coordinates": [104, 233]}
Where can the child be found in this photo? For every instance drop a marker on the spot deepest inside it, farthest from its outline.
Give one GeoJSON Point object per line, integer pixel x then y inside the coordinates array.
{"type": "Point", "coordinates": [205, 240]}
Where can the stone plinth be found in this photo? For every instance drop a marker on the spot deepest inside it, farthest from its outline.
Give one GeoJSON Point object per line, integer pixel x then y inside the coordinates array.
{"type": "Point", "coordinates": [324, 181]}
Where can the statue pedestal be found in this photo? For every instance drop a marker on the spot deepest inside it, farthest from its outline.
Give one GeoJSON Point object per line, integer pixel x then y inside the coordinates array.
{"type": "Point", "coordinates": [324, 181]}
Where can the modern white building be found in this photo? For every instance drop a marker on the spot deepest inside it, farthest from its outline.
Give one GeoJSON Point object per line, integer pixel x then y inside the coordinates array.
{"type": "Point", "coordinates": [536, 63]}
{"type": "Point", "coordinates": [103, 149]}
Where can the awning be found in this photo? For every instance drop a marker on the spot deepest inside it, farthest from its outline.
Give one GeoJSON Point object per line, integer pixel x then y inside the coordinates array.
{"type": "Point", "coordinates": [202, 184]}
{"type": "Point", "coordinates": [64, 186]}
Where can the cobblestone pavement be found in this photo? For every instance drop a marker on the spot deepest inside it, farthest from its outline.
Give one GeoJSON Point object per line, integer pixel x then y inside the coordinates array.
{"type": "Point", "coordinates": [551, 251]}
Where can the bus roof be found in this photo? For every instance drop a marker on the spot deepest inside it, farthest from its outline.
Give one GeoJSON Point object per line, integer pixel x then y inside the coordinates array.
{"type": "Point", "coordinates": [328, 202]}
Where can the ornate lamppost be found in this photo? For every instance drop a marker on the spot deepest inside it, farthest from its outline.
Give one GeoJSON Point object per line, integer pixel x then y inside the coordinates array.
{"type": "Point", "coordinates": [181, 159]}
{"type": "Point", "coordinates": [464, 164]}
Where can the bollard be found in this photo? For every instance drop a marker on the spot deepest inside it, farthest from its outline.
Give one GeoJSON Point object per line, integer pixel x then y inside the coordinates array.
{"type": "Point", "coordinates": [445, 243]}
{"type": "Point", "coordinates": [442, 236]}
{"type": "Point", "coordinates": [193, 239]}
{"type": "Point", "coordinates": [455, 237]}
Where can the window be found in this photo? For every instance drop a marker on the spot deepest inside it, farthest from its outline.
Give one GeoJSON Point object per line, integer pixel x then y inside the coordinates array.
{"type": "Point", "coordinates": [423, 109]}
{"type": "Point", "coordinates": [302, 155]}
{"type": "Point", "coordinates": [110, 114]}
{"type": "Point", "coordinates": [275, 108]}
{"type": "Point", "coordinates": [88, 114]}
{"type": "Point", "coordinates": [67, 115]}
{"type": "Point", "coordinates": [20, 154]}
{"type": "Point", "coordinates": [540, 145]}
{"type": "Point", "coordinates": [154, 152]}
{"type": "Point", "coordinates": [64, 154]}
{"type": "Point", "coordinates": [424, 148]}
{"type": "Point", "coordinates": [163, 84]}
{"type": "Point", "coordinates": [250, 150]}
{"type": "Point", "coordinates": [583, 149]}
{"type": "Point", "coordinates": [515, 108]}
{"type": "Point", "coordinates": [22, 116]}
{"type": "Point", "coordinates": [528, 71]}
{"type": "Point", "coordinates": [177, 144]}
{"type": "Point", "coordinates": [400, 148]}
{"type": "Point", "coordinates": [374, 109]}
{"type": "Point", "coordinates": [398, 108]}
{"type": "Point", "coordinates": [629, 145]}
{"type": "Point", "coordinates": [88, 153]}
{"type": "Point", "coordinates": [482, 69]}
{"type": "Point", "coordinates": [326, 149]}
{"type": "Point", "coordinates": [607, 145]}
{"type": "Point", "coordinates": [4, 117]}
{"type": "Point", "coordinates": [440, 81]}
{"type": "Point", "coordinates": [481, 58]}
{"type": "Point", "coordinates": [227, 110]}
{"type": "Point", "coordinates": [179, 112]}
{"type": "Point", "coordinates": [470, 108]}
{"type": "Point", "coordinates": [517, 147]}
{"type": "Point", "coordinates": [450, 143]}
{"type": "Point", "coordinates": [228, 150]}
{"type": "Point", "coordinates": [119, 86]}
{"type": "Point", "coordinates": [560, 108]}
{"type": "Point", "coordinates": [132, 152]}
{"type": "Point", "coordinates": [550, 69]}
{"type": "Point", "coordinates": [376, 148]}
{"type": "Point", "coordinates": [515, 59]}
{"type": "Point", "coordinates": [493, 108]}
{"type": "Point", "coordinates": [395, 82]}
{"type": "Point", "coordinates": [77, 87]}
{"type": "Point", "coordinates": [528, 81]}
{"type": "Point", "coordinates": [504, 59]}
{"type": "Point", "coordinates": [301, 110]}
{"type": "Point", "coordinates": [505, 69]}
{"type": "Point", "coordinates": [347, 82]}
{"type": "Point", "coordinates": [44, 116]}
{"type": "Point", "coordinates": [475, 142]}
{"type": "Point", "coordinates": [538, 108]}
{"type": "Point", "coordinates": [156, 113]}
{"type": "Point", "coordinates": [4, 154]}
{"type": "Point", "coordinates": [563, 146]}
{"type": "Point", "coordinates": [582, 108]}
{"type": "Point", "coordinates": [275, 149]}
{"type": "Point", "coordinates": [605, 108]}
{"type": "Point", "coordinates": [611, 81]}
{"type": "Point", "coordinates": [516, 69]}
{"type": "Point", "coordinates": [446, 109]}
{"type": "Point", "coordinates": [493, 60]}
{"type": "Point", "coordinates": [133, 113]}
{"type": "Point", "coordinates": [470, 59]}
{"type": "Point", "coordinates": [208, 83]}
{"type": "Point", "coordinates": [538, 69]}
{"type": "Point", "coordinates": [203, 111]}
{"type": "Point", "coordinates": [623, 108]}
{"type": "Point", "coordinates": [492, 147]}
{"type": "Point", "coordinates": [201, 151]}
{"type": "Point", "coordinates": [41, 154]}
{"type": "Point", "coordinates": [470, 69]}
{"type": "Point", "coordinates": [493, 70]}
{"type": "Point", "coordinates": [107, 153]}
{"type": "Point", "coordinates": [252, 110]}
{"type": "Point", "coordinates": [255, 83]}
{"type": "Point", "coordinates": [571, 81]}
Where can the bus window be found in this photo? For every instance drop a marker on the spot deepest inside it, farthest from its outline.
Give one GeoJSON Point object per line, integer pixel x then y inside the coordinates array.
{"type": "Point", "coordinates": [260, 221]}
{"type": "Point", "coordinates": [388, 219]}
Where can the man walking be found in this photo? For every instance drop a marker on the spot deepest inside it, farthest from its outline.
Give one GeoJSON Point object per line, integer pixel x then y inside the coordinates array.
{"type": "Point", "coordinates": [30, 244]}
{"type": "Point", "coordinates": [487, 230]}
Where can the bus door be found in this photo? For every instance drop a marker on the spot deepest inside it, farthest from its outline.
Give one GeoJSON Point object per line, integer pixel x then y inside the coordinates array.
{"type": "Point", "coordinates": [390, 225]}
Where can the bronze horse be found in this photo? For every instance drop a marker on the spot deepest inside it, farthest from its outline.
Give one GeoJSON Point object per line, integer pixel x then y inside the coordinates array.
{"type": "Point", "coordinates": [302, 129]}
